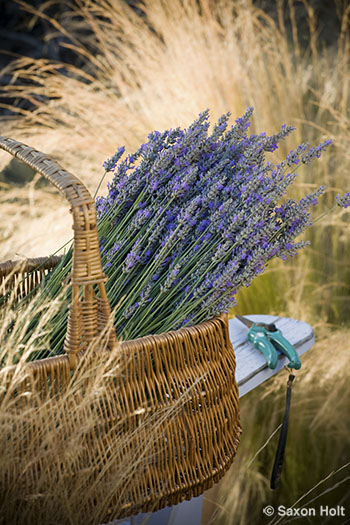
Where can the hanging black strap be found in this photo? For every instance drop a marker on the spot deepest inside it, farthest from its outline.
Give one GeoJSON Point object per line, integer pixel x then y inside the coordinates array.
{"type": "Point", "coordinates": [277, 467]}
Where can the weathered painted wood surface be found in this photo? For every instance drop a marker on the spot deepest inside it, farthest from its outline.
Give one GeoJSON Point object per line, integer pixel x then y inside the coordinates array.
{"type": "Point", "coordinates": [251, 371]}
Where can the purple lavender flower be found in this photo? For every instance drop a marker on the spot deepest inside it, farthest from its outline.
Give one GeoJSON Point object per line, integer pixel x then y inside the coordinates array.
{"type": "Point", "coordinates": [111, 163]}
{"type": "Point", "coordinates": [343, 200]}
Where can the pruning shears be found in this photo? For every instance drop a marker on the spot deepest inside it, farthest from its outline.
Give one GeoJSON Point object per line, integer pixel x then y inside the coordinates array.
{"type": "Point", "coordinates": [268, 339]}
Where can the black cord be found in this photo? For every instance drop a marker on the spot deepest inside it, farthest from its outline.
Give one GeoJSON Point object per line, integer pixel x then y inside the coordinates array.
{"type": "Point", "coordinates": [277, 467]}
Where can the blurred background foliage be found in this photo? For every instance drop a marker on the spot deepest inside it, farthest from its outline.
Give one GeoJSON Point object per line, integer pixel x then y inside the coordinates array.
{"type": "Point", "coordinates": [81, 78]}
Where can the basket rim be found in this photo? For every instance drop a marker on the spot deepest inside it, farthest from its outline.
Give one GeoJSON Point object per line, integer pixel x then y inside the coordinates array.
{"type": "Point", "coordinates": [29, 264]}
{"type": "Point", "coordinates": [128, 344]}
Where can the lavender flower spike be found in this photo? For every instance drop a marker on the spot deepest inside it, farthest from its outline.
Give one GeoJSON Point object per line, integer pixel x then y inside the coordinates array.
{"type": "Point", "coordinates": [111, 163]}
{"type": "Point", "coordinates": [343, 200]}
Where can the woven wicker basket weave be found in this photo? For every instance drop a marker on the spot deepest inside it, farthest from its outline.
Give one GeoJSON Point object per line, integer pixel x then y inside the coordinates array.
{"type": "Point", "coordinates": [199, 442]}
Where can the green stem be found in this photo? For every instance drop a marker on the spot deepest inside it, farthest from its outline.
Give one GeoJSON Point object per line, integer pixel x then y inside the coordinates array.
{"type": "Point", "coordinates": [320, 217]}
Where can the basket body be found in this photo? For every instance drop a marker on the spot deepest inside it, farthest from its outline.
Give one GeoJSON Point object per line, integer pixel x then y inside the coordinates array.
{"type": "Point", "coordinates": [176, 404]}
{"type": "Point", "coordinates": [194, 447]}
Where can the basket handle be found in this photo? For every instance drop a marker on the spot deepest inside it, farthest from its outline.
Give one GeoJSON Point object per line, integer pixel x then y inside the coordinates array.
{"type": "Point", "coordinates": [88, 314]}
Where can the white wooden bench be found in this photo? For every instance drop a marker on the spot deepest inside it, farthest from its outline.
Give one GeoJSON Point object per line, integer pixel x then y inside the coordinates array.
{"type": "Point", "coordinates": [251, 371]}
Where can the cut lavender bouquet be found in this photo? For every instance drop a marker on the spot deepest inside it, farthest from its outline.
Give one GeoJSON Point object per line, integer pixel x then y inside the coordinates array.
{"type": "Point", "coordinates": [189, 219]}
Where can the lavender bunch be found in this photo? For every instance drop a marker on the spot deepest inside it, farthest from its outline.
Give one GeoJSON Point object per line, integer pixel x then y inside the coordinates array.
{"type": "Point", "coordinates": [193, 216]}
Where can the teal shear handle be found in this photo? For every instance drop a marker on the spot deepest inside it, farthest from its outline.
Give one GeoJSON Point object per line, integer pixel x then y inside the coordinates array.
{"type": "Point", "coordinates": [258, 337]}
{"type": "Point", "coordinates": [268, 339]}
{"type": "Point", "coordinates": [285, 348]}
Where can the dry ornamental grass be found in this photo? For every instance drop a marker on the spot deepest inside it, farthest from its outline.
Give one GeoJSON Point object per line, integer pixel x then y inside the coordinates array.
{"type": "Point", "coordinates": [155, 72]}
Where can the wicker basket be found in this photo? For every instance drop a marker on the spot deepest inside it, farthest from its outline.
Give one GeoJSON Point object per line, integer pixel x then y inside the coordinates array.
{"type": "Point", "coordinates": [195, 446]}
